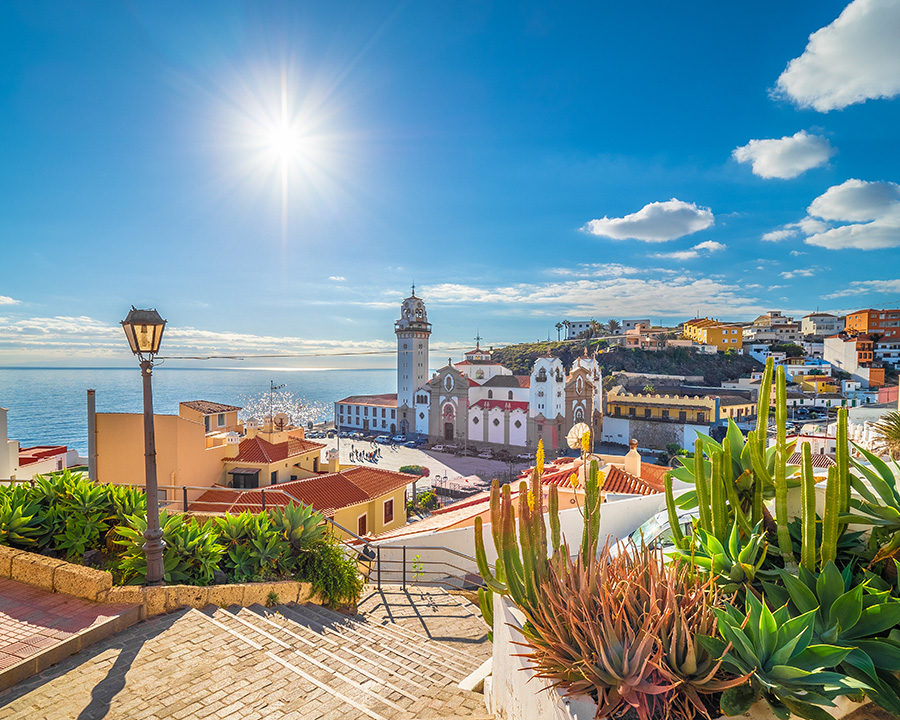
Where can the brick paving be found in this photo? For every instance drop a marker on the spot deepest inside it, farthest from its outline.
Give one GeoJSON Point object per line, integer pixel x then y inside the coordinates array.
{"type": "Point", "coordinates": [298, 662]}
{"type": "Point", "coordinates": [32, 619]}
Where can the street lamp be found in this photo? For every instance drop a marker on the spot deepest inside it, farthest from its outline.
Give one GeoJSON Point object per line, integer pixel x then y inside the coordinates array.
{"type": "Point", "coordinates": [144, 330]}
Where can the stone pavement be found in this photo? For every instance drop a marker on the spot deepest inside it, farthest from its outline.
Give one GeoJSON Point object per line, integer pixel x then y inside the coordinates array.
{"type": "Point", "coordinates": [302, 662]}
{"type": "Point", "coordinates": [34, 620]}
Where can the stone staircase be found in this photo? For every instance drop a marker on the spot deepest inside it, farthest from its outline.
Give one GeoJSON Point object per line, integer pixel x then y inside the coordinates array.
{"type": "Point", "coordinates": [401, 658]}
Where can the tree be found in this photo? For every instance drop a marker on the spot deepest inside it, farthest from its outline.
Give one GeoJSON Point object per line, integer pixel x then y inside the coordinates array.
{"type": "Point", "coordinates": [887, 435]}
{"type": "Point", "coordinates": [662, 339]}
{"type": "Point", "coordinates": [613, 326]}
{"type": "Point", "coordinates": [648, 390]}
{"type": "Point", "coordinates": [559, 326]}
{"type": "Point", "coordinates": [789, 349]}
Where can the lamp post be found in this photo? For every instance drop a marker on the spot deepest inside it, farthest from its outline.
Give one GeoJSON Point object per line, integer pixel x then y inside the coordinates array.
{"type": "Point", "coordinates": [144, 330]}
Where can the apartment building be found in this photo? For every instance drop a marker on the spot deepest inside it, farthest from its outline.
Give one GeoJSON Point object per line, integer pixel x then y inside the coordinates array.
{"type": "Point", "coordinates": [706, 331]}
{"type": "Point", "coordinates": [883, 323]}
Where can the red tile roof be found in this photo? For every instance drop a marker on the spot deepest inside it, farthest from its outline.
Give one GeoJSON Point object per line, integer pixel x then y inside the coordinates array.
{"type": "Point", "coordinates": [818, 460]}
{"type": "Point", "coordinates": [384, 400]}
{"type": "Point", "coordinates": [257, 450]}
{"type": "Point", "coordinates": [617, 480]}
{"type": "Point", "coordinates": [209, 408]}
{"type": "Point", "coordinates": [524, 380]}
{"type": "Point", "coordinates": [30, 455]}
{"type": "Point", "coordinates": [325, 493]}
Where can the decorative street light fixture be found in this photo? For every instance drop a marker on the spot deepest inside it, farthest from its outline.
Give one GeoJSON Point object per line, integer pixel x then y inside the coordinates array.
{"type": "Point", "coordinates": [144, 330]}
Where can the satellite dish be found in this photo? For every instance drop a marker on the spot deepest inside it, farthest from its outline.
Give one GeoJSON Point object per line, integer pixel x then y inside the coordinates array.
{"type": "Point", "coordinates": [281, 419]}
{"type": "Point", "coordinates": [573, 439]}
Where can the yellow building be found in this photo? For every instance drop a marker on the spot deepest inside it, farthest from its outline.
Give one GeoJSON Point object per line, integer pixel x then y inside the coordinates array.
{"type": "Point", "coordinates": [706, 331]}
{"type": "Point", "coordinates": [363, 500]}
{"type": "Point", "coordinates": [817, 383]}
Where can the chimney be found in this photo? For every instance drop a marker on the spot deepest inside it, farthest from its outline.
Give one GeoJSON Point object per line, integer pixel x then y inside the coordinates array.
{"type": "Point", "coordinates": [633, 459]}
{"type": "Point", "coordinates": [333, 457]}
{"type": "Point", "coordinates": [232, 444]}
{"type": "Point", "coordinates": [251, 427]}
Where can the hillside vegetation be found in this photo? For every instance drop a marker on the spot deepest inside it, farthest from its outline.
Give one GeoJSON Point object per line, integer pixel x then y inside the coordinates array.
{"type": "Point", "coordinates": [676, 361]}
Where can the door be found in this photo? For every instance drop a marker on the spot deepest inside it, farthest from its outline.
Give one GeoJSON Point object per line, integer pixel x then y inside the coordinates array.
{"type": "Point", "coordinates": [448, 431]}
{"type": "Point", "coordinates": [361, 526]}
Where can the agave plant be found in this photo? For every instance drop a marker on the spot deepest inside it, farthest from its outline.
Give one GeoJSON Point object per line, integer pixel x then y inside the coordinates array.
{"type": "Point", "coordinates": [878, 503]}
{"type": "Point", "coordinates": [852, 616]}
{"type": "Point", "coordinates": [735, 564]}
{"type": "Point", "coordinates": [300, 524]}
{"type": "Point", "coordinates": [785, 668]}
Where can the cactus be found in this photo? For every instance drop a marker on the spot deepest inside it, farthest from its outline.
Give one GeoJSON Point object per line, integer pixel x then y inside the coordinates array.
{"type": "Point", "coordinates": [781, 512]}
{"type": "Point", "coordinates": [808, 519]}
{"type": "Point", "coordinates": [523, 558]}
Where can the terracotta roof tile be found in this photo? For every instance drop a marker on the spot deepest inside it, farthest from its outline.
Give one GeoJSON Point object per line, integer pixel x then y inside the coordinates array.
{"type": "Point", "coordinates": [209, 408]}
{"type": "Point", "coordinates": [257, 450]}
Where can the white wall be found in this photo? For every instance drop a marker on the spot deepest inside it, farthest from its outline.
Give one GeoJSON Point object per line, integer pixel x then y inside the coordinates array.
{"type": "Point", "coordinates": [618, 519]}
{"type": "Point", "coordinates": [9, 450]}
{"type": "Point", "coordinates": [616, 430]}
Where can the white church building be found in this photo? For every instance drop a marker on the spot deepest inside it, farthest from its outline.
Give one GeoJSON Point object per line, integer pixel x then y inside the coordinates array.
{"type": "Point", "coordinates": [476, 401]}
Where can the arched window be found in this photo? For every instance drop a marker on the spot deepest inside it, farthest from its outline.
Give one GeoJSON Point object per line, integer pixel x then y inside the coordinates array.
{"type": "Point", "coordinates": [510, 395]}
{"type": "Point", "coordinates": [490, 394]}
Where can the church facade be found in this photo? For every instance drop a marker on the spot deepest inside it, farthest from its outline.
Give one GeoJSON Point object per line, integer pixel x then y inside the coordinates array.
{"type": "Point", "coordinates": [477, 401]}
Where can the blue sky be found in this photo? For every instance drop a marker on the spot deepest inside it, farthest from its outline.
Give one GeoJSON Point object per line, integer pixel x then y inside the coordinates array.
{"type": "Point", "coordinates": [273, 176]}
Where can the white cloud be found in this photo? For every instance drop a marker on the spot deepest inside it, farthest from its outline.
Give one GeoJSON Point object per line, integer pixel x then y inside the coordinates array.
{"type": "Point", "coordinates": [850, 61]}
{"type": "Point", "coordinates": [668, 296]}
{"type": "Point", "coordinates": [862, 287]}
{"type": "Point", "coordinates": [709, 246]}
{"type": "Point", "coordinates": [6, 300]}
{"type": "Point", "coordinates": [856, 201]}
{"type": "Point", "coordinates": [798, 272]}
{"type": "Point", "coordinates": [855, 214]}
{"type": "Point", "coordinates": [655, 222]}
{"type": "Point", "coordinates": [787, 157]}
{"type": "Point", "coordinates": [597, 270]}
{"type": "Point", "coordinates": [798, 253]}
{"type": "Point", "coordinates": [870, 211]}
{"type": "Point", "coordinates": [337, 278]}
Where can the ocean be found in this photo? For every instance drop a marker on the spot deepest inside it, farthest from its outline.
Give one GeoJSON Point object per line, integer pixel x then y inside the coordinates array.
{"type": "Point", "coordinates": [48, 406]}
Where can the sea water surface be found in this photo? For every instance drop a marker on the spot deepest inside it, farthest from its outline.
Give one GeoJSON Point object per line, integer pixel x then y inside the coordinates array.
{"type": "Point", "coordinates": [48, 406]}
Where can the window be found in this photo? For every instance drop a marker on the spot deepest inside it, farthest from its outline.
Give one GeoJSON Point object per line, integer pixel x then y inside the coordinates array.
{"type": "Point", "coordinates": [383, 412]}
{"type": "Point", "coordinates": [393, 414]}
{"type": "Point", "coordinates": [206, 423]}
{"type": "Point", "coordinates": [682, 415]}
{"type": "Point", "coordinates": [388, 511]}
{"type": "Point", "coordinates": [361, 525]}
{"type": "Point", "coordinates": [475, 420]}
{"type": "Point", "coordinates": [665, 414]}
{"type": "Point", "coordinates": [496, 422]}
{"type": "Point", "coordinates": [490, 394]}
{"type": "Point", "coordinates": [510, 395]}
{"type": "Point", "coordinates": [274, 478]}
{"type": "Point", "coordinates": [646, 412]}
{"type": "Point", "coordinates": [618, 410]}
{"type": "Point", "coordinates": [631, 411]}
{"type": "Point", "coordinates": [518, 424]}
{"type": "Point", "coordinates": [701, 417]}
{"type": "Point", "coordinates": [357, 409]}
{"type": "Point", "coordinates": [220, 420]}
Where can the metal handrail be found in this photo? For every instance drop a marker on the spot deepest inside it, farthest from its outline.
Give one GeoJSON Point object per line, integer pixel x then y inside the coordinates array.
{"type": "Point", "coordinates": [363, 550]}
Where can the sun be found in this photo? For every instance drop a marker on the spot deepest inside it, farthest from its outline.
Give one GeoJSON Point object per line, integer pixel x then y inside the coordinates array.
{"type": "Point", "coordinates": [284, 142]}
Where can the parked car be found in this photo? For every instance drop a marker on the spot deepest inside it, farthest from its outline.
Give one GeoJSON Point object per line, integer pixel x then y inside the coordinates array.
{"type": "Point", "coordinates": [438, 448]}
{"type": "Point", "coordinates": [382, 439]}
{"type": "Point", "coordinates": [657, 531]}
{"type": "Point", "coordinates": [410, 444]}
{"type": "Point", "coordinates": [486, 454]}
{"type": "Point", "coordinates": [398, 438]}
{"type": "Point", "coordinates": [524, 456]}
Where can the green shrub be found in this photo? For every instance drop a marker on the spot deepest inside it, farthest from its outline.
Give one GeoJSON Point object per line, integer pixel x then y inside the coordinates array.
{"type": "Point", "coordinates": [419, 470]}
{"type": "Point", "coordinates": [331, 573]}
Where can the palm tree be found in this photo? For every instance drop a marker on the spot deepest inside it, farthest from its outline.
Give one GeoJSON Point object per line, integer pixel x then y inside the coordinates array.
{"type": "Point", "coordinates": [887, 437]}
{"type": "Point", "coordinates": [559, 326]}
{"type": "Point", "coordinates": [613, 326]}
{"type": "Point", "coordinates": [661, 339]}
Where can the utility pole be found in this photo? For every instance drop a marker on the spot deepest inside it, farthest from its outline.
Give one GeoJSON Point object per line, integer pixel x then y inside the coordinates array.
{"type": "Point", "coordinates": [272, 388]}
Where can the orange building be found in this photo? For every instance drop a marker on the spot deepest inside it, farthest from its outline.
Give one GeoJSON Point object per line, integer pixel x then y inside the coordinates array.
{"type": "Point", "coordinates": [885, 323]}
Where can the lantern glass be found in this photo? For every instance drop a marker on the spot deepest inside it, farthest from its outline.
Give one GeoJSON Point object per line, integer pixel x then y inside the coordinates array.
{"type": "Point", "coordinates": [144, 330]}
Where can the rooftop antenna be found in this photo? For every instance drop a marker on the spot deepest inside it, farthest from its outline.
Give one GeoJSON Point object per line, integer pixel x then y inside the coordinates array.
{"type": "Point", "coordinates": [272, 388]}
{"type": "Point", "coordinates": [478, 339]}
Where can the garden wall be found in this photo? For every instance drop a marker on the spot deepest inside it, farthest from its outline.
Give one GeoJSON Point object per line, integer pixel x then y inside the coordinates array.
{"type": "Point", "coordinates": [96, 585]}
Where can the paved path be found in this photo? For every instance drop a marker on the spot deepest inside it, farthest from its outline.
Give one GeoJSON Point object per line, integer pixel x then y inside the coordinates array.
{"type": "Point", "coordinates": [297, 662]}
{"type": "Point", "coordinates": [34, 620]}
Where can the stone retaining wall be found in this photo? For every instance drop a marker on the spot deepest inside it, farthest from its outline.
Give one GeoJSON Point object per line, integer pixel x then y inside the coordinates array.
{"type": "Point", "coordinates": [96, 585]}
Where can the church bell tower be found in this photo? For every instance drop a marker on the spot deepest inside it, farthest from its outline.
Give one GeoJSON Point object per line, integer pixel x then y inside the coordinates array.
{"type": "Point", "coordinates": [413, 331]}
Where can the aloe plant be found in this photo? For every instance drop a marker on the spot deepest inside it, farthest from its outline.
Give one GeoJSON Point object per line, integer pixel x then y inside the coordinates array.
{"type": "Point", "coordinates": [785, 668]}
{"type": "Point", "coordinates": [299, 524]}
{"type": "Point", "coordinates": [734, 564]}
